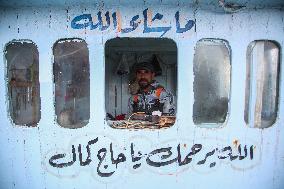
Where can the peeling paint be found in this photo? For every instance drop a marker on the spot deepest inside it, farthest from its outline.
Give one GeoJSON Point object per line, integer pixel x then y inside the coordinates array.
{"type": "Point", "coordinates": [156, 161]}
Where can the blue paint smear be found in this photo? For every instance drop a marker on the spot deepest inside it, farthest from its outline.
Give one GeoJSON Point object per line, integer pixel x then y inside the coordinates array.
{"type": "Point", "coordinates": [85, 20]}
{"type": "Point", "coordinates": [133, 24]}
{"type": "Point", "coordinates": [187, 27]}
{"type": "Point", "coordinates": [76, 25]}
{"type": "Point", "coordinates": [148, 29]}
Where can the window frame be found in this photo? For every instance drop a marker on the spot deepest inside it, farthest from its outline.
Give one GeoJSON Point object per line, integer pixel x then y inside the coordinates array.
{"type": "Point", "coordinates": [62, 40]}
{"type": "Point", "coordinates": [229, 50]}
{"type": "Point", "coordinates": [171, 40]}
{"type": "Point", "coordinates": [8, 108]}
{"type": "Point", "coordinates": [278, 86]}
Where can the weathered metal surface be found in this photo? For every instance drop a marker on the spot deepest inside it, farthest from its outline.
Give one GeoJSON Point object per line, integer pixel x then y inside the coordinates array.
{"type": "Point", "coordinates": [203, 3]}
{"type": "Point", "coordinates": [98, 156]}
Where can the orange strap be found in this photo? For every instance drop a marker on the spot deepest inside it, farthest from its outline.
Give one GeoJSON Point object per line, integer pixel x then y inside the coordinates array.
{"type": "Point", "coordinates": [159, 91]}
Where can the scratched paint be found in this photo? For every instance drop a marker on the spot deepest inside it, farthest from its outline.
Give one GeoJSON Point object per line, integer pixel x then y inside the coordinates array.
{"type": "Point", "coordinates": [257, 157]}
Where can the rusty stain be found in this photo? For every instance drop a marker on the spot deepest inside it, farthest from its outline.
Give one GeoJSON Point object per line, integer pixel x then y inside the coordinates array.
{"type": "Point", "coordinates": [149, 17]}
{"type": "Point", "coordinates": [118, 21]}
{"type": "Point", "coordinates": [104, 21]}
{"type": "Point", "coordinates": [235, 142]}
{"type": "Point", "coordinates": [94, 18]}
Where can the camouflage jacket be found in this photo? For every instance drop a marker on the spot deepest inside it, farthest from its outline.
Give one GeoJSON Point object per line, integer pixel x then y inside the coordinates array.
{"type": "Point", "coordinates": [156, 99]}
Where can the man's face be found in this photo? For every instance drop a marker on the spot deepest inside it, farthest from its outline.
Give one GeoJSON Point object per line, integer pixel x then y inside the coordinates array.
{"type": "Point", "coordinates": [144, 78]}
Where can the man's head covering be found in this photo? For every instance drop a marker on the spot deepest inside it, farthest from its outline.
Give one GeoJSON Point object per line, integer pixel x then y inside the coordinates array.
{"type": "Point", "coordinates": [144, 66]}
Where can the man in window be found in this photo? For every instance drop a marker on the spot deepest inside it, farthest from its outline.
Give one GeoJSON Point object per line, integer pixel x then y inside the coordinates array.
{"type": "Point", "coordinates": [150, 98]}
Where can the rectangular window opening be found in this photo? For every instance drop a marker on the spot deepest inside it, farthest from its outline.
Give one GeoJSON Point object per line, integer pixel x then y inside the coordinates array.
{"type": "Point", "coordinates": [72, 83]}
{"type": "Point", "coordinates": [212, 75]}
{"type": "Point", "coordinates": [141, 83]}
{"type": "Point", "coordinates": [262, 83]}
{"type": "Point", "coordinates": [23, 82]}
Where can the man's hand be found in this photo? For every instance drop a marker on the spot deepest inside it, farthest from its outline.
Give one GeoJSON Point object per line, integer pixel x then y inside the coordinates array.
{"type": "Point", "coordinates": [144, 117]}
{"type": "Point", "coordinates": [138, 116]}
{"type": "Point", "coordinates": [133, 87]}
